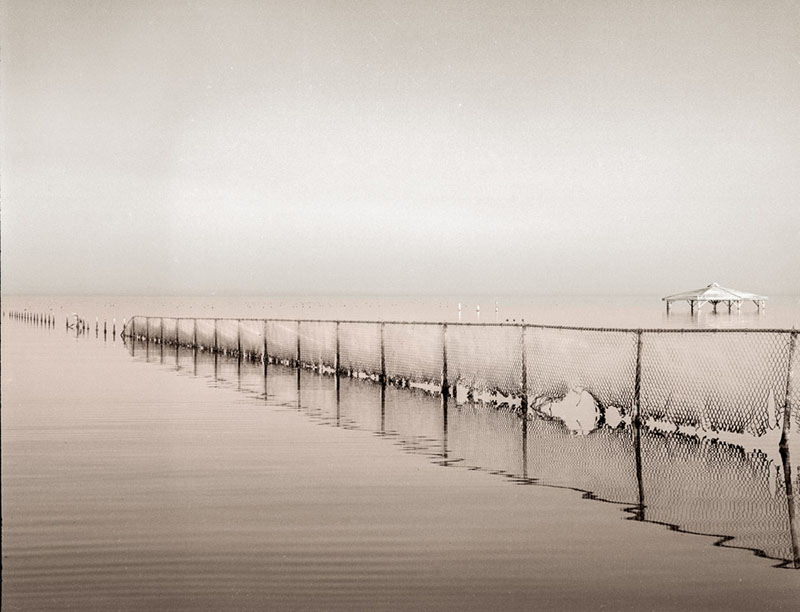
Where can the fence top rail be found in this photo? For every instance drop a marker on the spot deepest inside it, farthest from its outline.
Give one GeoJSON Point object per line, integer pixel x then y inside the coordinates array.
{"type": "Point", "coordinates": [634, 330]}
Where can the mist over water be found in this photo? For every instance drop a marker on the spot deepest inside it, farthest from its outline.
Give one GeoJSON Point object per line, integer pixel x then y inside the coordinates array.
{"type": "Point", "coordinates": [138, 475]}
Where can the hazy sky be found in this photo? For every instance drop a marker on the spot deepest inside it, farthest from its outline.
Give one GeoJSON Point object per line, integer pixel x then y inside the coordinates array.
{"type": "Point", "coordinates": [400, 147]}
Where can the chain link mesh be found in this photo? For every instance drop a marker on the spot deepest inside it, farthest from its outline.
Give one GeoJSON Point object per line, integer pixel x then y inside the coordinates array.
{"type": "Point", "coordinates": [602, 363]}
{"type": "Point", "coordinates": [360, 348]}
{"type": "Point", "coordinates": [282, 340]}
{"type": "Point", "coordinates": [318, 343]}
{"type": "Point", "coordinates": [186, 332]}
{"type": "Point", "coordinates": [205, 333]}
{"type": "Point", "coordinates": [170, 330]}
{"type": "Point", "coordinates": [716, 381]}
{"type": "Point", "coordinates": [721, 381]}
{"type": "Point", "coordinates": [794, 394]}
{"type": "Point", "coordinates": [485, 358]}
{"type": "Point", "coordinates": [227, 335]}
{"type": "Point", "coordinates": [413, 352]}
{"type": "Point", "coordinates": [252, 336]}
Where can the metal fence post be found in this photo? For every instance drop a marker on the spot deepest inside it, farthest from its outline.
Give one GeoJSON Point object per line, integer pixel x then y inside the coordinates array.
{"type": "Point", "coordinates": [787, 406]}
{"type": "Point", "coordinates": [636, 425]}
{"type": "Point", "coordinates": [382, 379]}
{"type": "Point", "coordinates": [637, 383]}
{"type": "Point", "coordinates": [297, 359]}
{"type": "Point", "coordinates": [524, 400]}
{"type": "Point", "coordinates": [265, 354]}
{"type": "Point", "coordinates": [337, 363]}
{"type": "Point", "coordinates": [445, 382]}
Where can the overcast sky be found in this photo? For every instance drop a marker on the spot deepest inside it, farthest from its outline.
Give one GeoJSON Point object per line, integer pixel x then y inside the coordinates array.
{"type": "Point", "coordinates": [425, 147]}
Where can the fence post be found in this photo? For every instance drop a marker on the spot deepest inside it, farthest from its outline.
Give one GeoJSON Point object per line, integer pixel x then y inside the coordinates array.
{"type": "Point", "coordinates": [265, 354]}
{"type": "Point", "coordinates": [524, 400]}
{"type": "Point", "coordinates": [147, 329]}
{"type": "Point", "coordinates": [787, 406]}
{"type": "Point", "coordinates": [215, 343]}
{"type": "Point", "coordinates": [239, 339]}
{"type": "Point", "coordinates": [297, 359]}
{"type": "Point", "coordinates": [445, 382]}
{"type": "Point", "coordinates": [337, 364]}
{"type": "Point", "coordinates": [194, 332]}
{"type": "Point", "coordinates": [133, 328]}
{"type": "Point", "coordinates": [637, 383]}
{"type": "Point", "coordinates": [382, 379]}
{"type": "Point", "coordinates": [161, 324]}
{"type": "Point", "coordinates": [636, 425]}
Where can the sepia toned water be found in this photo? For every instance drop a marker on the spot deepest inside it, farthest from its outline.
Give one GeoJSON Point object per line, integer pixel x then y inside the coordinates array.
{"type": "Point", "coordinates": [140, 476]}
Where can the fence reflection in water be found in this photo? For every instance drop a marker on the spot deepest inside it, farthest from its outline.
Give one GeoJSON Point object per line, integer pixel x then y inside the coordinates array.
{"type": "Point", "coordinates": [688, 483]}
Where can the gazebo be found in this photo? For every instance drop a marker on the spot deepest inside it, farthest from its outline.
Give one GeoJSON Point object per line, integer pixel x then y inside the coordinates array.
{"type": "Point", "coordinates": [714, 294]}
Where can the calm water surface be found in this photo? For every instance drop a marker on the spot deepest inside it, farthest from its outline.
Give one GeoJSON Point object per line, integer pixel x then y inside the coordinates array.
{"type": "Point", "coordinates": [141, 477]}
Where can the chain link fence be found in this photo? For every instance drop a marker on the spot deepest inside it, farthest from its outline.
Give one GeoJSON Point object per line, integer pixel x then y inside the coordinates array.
{"type": "Point", "coordinates": [741, 381]}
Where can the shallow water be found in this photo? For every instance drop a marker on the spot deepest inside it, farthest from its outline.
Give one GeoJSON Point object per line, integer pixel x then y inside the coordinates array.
{"type": "Point", "coordinates": [138, 476]}
{"type": "Point", "coordinates": [626, 311]}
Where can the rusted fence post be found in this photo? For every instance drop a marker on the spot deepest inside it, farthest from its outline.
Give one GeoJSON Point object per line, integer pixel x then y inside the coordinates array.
{"type": "Point", "coordinates": [787, 406]}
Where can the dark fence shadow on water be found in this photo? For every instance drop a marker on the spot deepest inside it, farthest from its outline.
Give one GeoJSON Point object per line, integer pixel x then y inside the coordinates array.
{"type": "Point", "coordinates": [743, 499]}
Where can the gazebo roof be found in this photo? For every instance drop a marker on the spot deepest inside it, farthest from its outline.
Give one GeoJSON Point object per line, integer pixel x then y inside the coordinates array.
{"type": "Point", "coordinates": [714, 293]}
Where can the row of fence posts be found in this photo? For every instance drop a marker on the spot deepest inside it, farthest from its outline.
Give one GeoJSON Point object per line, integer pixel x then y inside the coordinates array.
{"type": "Point", "coordinates": [48, 320]}
{"type": "Point", "coordinates": [446, 388]}
{"type": "Point", "coordinates": [43, 319]}
{"type": "Point", "coordinates": [105, 327]}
